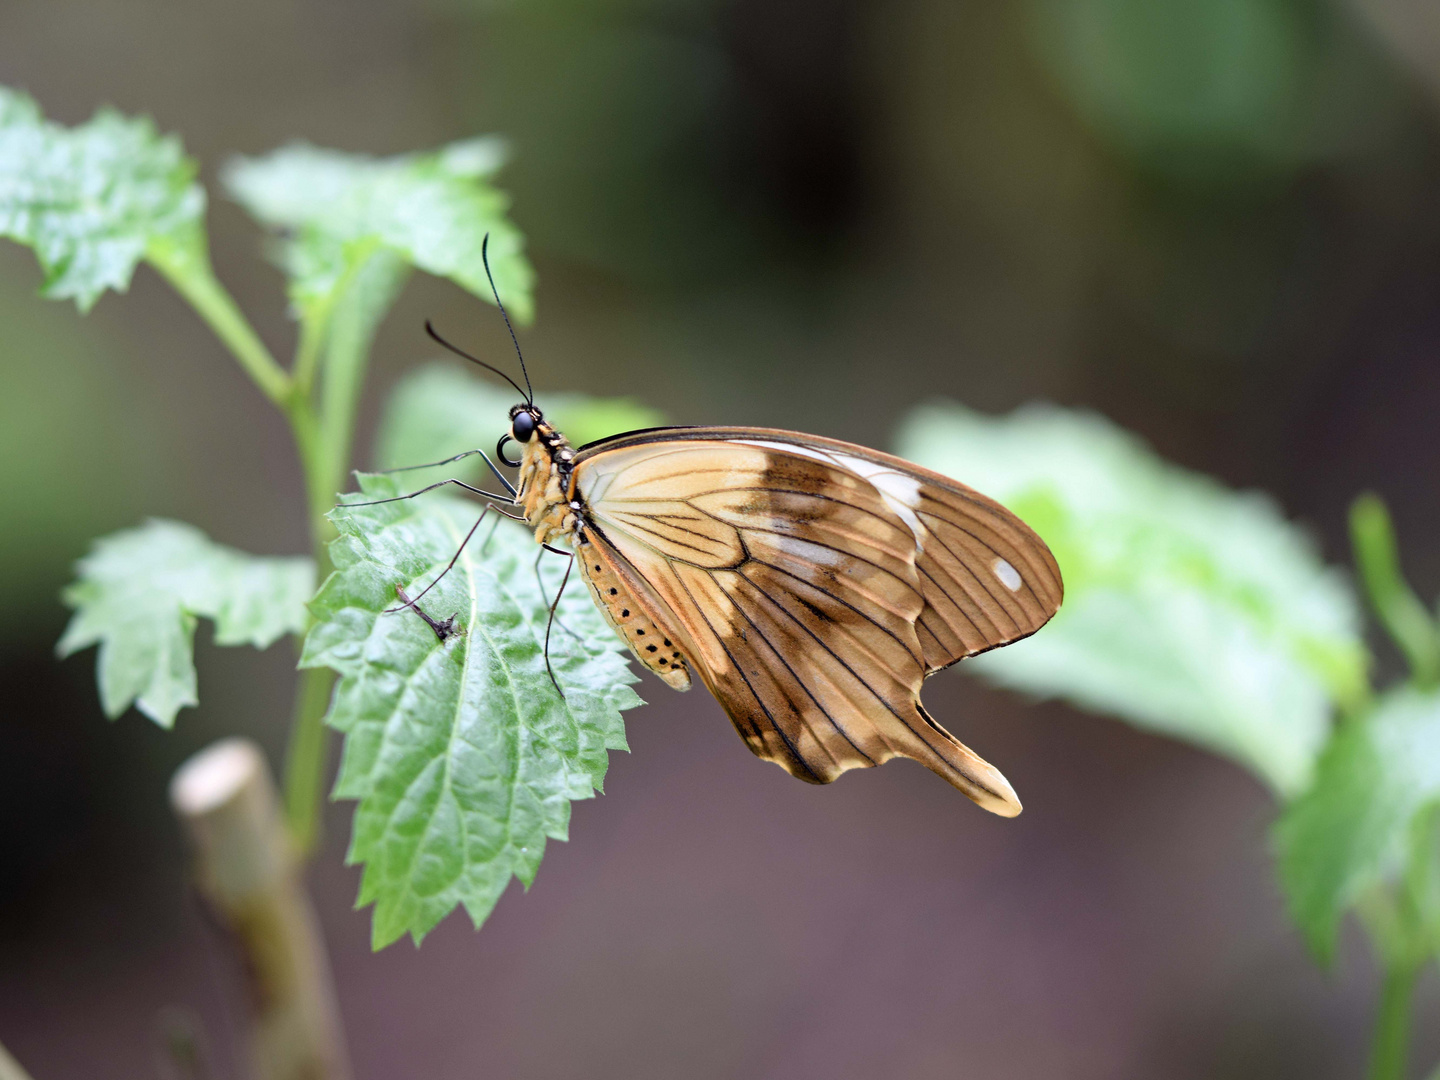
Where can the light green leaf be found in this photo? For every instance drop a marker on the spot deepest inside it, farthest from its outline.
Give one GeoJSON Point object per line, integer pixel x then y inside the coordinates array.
{"type": "Point", "coordinates": [1189, 609]}
{"type": "Point", "coordinates": [92, 200]}
{"type": "Point", "coordinates": [440, 410]}
{"type": "Point", "coordinates": [432, 209]}
{"type": "Point", "coordinates": [1353, 828]}
{"type": "Point", "coordinates": [138, 593]}
{"type": "Point", "coordinates": [462, 755]}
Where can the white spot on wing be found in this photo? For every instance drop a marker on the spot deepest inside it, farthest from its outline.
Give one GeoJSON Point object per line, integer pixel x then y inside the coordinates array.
{"type": "Point", "coordinates": [1008, 575]}
{"type": "Point", "coordinates": [900, 492]}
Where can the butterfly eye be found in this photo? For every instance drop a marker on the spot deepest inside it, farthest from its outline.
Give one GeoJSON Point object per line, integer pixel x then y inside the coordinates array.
{"type": "Point", "coordinates": [523, 426]}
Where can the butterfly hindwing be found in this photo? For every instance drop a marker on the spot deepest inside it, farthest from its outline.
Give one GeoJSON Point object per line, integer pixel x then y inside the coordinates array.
{"type": "Point", "coordinates": [814, 585]}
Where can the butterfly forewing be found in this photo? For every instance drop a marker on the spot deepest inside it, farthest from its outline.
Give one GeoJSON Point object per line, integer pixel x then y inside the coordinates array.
{"type": "Point", "coordinates": [815, 584]}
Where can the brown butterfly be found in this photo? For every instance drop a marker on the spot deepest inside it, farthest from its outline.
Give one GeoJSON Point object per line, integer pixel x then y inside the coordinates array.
{"type": "Point", "coordinates": [812, 585]}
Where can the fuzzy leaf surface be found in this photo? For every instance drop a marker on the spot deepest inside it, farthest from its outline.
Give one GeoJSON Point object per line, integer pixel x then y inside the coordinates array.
{"type": "Point", "coordinates": [93, 199]}
{"type": "Point", "coordinates": [463, 758]}
{"type": "Point", "coordinates": [1190, 609]}
{"type": "Point", "coordinates": [138, 594]}
{"type": "Point", "coordinates": [432, 209]}
{"type": "Point", "coordinates": [1353, 829]}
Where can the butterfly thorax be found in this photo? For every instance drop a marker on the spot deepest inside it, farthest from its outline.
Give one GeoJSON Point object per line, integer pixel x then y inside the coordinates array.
{"type": "Point", "coordinates": [547, 486]}
{"type": "Point", "coordinates": [553, 508]}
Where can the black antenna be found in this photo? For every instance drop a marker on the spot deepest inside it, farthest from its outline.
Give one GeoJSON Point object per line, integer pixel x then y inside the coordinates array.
{"type": "Point", "coordinates": [485, 258]}
{"type": "Point", "coordinates": [429, 329]}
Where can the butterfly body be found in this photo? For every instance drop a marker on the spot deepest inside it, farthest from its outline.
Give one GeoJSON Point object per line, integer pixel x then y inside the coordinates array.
{"type": "Point", "coordinates": [548, 499]}
{"type": "Point", "coordinates": [812, 584]}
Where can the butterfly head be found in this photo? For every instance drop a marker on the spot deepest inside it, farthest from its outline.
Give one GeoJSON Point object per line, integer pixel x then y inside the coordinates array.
{"type": "Point", "coordinates": [528, 427]}
{"type": "Point", "coordinates": [540, 443]}
{"type": "Point", "coordinates": [525, 421]}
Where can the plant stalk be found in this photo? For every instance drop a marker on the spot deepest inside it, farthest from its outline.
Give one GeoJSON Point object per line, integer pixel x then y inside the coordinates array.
{"type": "Point", "coordinates": [305, 758]}
{"type": "Point", "coordinates": [1390, 1048]}
{"type": "Point", "coordinates": [1395, 604]}
{"type": "Point", "coordinates": [187, 268]}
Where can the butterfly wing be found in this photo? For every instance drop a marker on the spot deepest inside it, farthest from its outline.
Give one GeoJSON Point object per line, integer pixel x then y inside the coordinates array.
{"type": "Point", "coordinates": [796, 574]}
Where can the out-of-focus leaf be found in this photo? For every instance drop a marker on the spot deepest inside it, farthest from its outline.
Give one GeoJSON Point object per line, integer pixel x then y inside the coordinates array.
{"type": "Point", "coordinates": [1218, 90]}
{"type": "Point", "coordinates": [440, 410]}
{"type": "Point", "coordinates": [138, 593]}
{"type": "Point", "coordinates": [1353, 828]}
{"type": "Point", "coordinates": [462, 755]}
{"type": "Point", "coordinates": [1189, 609]}
{"type": "Point", "coordinates": [92, 200]}
{"type": "Point", "coordinates": [432, 209]}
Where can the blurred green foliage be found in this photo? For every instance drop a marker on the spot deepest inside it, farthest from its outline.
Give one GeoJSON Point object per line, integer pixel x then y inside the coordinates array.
{"type": "Point", "coordinates": [438, 410]}
{"type": "Point", "coordinates": [1203, 614]}
{"type": "Point", "coordinates": [1189, 609]}
{"type": "Point", "coordinates": [1367, 819]}
{"type": "Point", "coordinates": [67, 408]}
{"type": "Point", "coordinates": [1219, 91]}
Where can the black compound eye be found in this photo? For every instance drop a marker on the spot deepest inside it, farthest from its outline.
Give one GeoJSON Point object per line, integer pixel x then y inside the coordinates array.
{"type": "Point", "coordinates": [523, 426]}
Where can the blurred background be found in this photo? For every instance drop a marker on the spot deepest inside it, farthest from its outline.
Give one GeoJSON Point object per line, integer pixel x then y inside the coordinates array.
{"type": "Point", "coordinates": [1215, 221]}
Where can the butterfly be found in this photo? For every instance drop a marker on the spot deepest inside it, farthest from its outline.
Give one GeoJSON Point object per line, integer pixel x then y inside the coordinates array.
{"type": "Point", "coordinates": [812, 585]}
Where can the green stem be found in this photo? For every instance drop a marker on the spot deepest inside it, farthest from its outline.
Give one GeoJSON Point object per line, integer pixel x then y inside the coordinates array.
{"type": "Point", "coordinates": [1395, 603]}
{"type": "Point", "coordinates": [335, 341]}
{"type": "Point", "coordinates": [371, 286]}
{"type": "Point", "coordinates": [187, 268]}
{"type": "Point", "coordinates": [313, 327]}
{"type": "Point", "coordinates": [1391, 1045]}
{"type": "Point", "coordinates": [305, 758]}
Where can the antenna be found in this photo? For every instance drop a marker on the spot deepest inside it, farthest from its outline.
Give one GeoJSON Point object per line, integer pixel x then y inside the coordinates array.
{"type": "Point", "coordinates": [430, 329]}
{"type": "Point", "coordinates": [485, 258]}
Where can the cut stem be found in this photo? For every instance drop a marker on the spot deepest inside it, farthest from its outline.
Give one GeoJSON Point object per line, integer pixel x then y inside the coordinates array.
{"type": "Point", "coordinates": [10, 1069]}
{"type": "Point", "coordinates": [247, 868]}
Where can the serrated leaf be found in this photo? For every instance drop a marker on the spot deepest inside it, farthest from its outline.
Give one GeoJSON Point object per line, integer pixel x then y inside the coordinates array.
{"type": "Point", "coordinates": [439, 410]}
{"type": "Point", "coordinates": [137, 596]}
{"type": "Point", "coordinates": [433, 209]}
{"type": "Point", "coordinates": [461, 754]}
{"type": "Point", "coordinates": [1351, 830]}
{"type": "Point", "coordinates": [92, 200]}
{"type": "Point", "coordinates": [1190, 609]}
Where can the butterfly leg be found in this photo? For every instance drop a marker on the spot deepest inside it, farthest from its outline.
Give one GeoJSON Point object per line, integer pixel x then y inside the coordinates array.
{"type": "Point", "coordinates": [563, 582]}
{"type": "Point", "coordinates": [541, 582]}
{"type": "Point", "coordinates": [449, 566]}
{"type": "Point", "coordinates": [458, 457]}
{"type": "Point", "coordinates": [444, 628]}
{"type": "Point", "coordinates": [439, 484]}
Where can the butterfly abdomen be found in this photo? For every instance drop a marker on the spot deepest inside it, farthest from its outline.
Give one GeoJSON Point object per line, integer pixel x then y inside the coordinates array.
{"type": "Point", "coordinates": [651, 643]}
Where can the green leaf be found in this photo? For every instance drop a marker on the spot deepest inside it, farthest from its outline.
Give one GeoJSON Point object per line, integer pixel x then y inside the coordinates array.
{"type": "Point", "coordinates": [93, 200]}
{"type": "Point", "coordinates": [432, 209]}
{"type": "Point", "coordinates": [138, 594]}
{"type": "Point", "coordinates": [1374, 786]}
{"type": "Point", "coordinates": [1190, 609]}
{"type": "Point", "coordinates": [440, 410]}
{"type": "Point", "coordinates": [462, 756]}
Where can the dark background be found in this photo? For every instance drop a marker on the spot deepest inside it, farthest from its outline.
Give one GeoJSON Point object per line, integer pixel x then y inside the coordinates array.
{"type": "Point", "coordinates": [1216, 221]}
